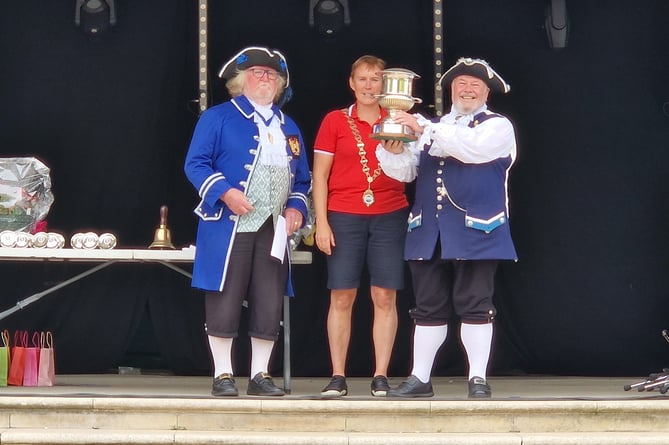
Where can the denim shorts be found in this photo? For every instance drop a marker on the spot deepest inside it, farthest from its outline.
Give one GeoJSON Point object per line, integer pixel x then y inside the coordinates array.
{"type": "Point", "coordinates": [376, 241]}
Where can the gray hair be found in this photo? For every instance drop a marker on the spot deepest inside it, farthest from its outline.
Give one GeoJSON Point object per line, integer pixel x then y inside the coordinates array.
{"type": "Point", "coordinates": [235, 84]}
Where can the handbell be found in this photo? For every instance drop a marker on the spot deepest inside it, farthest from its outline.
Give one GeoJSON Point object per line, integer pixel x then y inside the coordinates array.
{"type": "Point", "coordinates": [162, 238]}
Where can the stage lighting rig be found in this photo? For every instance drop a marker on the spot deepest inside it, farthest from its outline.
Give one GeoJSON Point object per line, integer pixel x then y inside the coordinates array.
{"type": "Point", "coordinates": [556, 22]}
{"type": "Point", "coordinates": [95, 16]}
{"type": "Point", "coordinates": [329, 16]}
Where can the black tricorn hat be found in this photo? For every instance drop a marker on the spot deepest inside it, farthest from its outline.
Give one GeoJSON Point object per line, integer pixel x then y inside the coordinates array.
{"type": "Point", "coordinates": [477, 68]}
{"type": "Point", "coordinates": [255, 56]}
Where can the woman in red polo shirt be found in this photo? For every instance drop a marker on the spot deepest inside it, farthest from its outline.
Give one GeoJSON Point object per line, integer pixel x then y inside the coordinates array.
{"type": "Point", "coordinates": [361, 219]}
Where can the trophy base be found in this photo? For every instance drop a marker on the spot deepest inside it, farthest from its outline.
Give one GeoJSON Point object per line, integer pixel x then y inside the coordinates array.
{"type": "Point", "coordinates": [393, 137]}
{"type": "Point", "coordinates": [386, 131]}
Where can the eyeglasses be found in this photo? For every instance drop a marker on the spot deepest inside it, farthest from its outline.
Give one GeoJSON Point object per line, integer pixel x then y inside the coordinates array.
{"type": "Point", "coordinates": [258, 73]}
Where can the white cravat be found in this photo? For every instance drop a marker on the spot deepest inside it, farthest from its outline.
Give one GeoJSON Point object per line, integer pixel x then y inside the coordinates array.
{"type": "Point", "coordinates": [272, 139]}
{"type": "Point", "coordinates": [462, 119]}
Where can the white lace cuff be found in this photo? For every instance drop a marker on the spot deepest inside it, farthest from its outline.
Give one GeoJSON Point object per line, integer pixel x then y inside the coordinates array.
{"type": "Point", "coordinates": [401, 166]}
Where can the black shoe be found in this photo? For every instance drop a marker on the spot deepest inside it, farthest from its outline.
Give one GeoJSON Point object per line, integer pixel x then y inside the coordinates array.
{"type": "Point", "coordinates": [336, 388]}
{"type": "Point", "coordinates": [224, 385]}
{"type": "Point", "coordinates": [262, 385]}
{"type": "Point", "coordinates": [412, 387]}
{"type": "Point", "coordinates": [380, 386]}
{"type": "Point", "coordinates": [479, 388]}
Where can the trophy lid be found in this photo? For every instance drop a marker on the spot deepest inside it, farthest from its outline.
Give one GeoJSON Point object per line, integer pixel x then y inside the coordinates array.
{"type": "Point", "coordinates": [400, 72]}
{"type": "Point", "coordinates": [398, 81]}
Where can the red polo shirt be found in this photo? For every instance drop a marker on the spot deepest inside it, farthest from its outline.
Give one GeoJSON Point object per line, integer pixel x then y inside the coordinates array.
{"type": "Point", "coordinates": [347, 181]}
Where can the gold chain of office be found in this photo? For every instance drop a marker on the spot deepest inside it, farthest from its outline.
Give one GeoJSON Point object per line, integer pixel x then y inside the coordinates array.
{"type": "Point", "coordinates": [367, 195]}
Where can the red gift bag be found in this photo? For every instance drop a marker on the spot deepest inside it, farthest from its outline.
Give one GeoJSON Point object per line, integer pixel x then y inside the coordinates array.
{"type": "Point", "coordinates": [17, 367]}
{"type": "Point", "coordinates": [47, 369]}
{"type": "Point", "coordinates": [31, 366]}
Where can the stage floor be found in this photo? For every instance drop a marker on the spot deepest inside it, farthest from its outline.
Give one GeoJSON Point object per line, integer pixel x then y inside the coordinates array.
{"type": "Point", "coordinates": [445, 388]}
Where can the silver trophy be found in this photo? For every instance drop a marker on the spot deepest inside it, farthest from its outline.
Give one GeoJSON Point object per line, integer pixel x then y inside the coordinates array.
{"type": "Point", "coordinates": [396, 96]}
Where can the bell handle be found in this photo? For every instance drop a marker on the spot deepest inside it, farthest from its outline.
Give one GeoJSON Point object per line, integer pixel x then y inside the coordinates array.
{"type": "Point", "coordinates": [163, 215]}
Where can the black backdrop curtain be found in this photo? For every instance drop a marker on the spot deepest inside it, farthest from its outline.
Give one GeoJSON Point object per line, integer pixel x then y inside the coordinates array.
{"type": "Point", "coordinates": [112, 118]}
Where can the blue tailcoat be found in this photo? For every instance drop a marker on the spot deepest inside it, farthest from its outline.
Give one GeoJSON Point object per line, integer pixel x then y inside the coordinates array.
{"type": "Point", "coordinates": [223, 154]}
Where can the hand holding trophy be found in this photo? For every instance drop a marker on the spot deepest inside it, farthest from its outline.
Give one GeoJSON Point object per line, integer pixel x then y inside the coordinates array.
{"type": "Point", "coordinates": [396, 96]}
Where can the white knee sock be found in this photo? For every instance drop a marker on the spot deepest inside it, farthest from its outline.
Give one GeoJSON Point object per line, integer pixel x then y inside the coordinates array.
{"type": "Point", "coordinates": [477, 340]}
{"type": "Point", "coordinates": [221, 352]}
{"type": "Point", "coordinates": [261, 351]}
{"type": "Point", "coordinates": [426, 342]}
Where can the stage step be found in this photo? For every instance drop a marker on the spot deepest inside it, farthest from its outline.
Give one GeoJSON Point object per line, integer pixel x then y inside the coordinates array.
{"type": "Point", "coordinates": [249, 421]}
{"type": "Point", "coordinates": [159, 437]}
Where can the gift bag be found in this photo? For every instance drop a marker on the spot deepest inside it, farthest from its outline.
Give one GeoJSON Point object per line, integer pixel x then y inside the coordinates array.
{"type": "Point", "coordinates": [17, 365]}
{"type": "Point", "coordinates": [4, 357]}
{"type": "Point", "coordinates": [31, 366]}
{"type": "Point", "coordinates": [47, 368]}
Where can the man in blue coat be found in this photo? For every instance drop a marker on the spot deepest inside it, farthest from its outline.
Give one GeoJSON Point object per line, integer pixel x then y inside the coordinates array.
{"type": "Point", "coordinates": [247, 162]}
{"type": "Point", "coordinates": [458, 227]}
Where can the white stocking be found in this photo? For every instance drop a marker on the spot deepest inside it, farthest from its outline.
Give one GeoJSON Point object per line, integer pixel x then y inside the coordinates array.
{"type": "Point", "coordinates": [261, 351]}
{"type": "Point", "coordinates": [221, 352]}
{"type": "Point", "coordinates": [477, 340]}
{"type": "Point", "coordinates": [426, 342]}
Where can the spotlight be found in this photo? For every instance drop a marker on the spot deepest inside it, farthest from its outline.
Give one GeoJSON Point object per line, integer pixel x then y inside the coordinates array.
{"type": "Point", "coordinates": [95, 16]}
{"type": "Point", "coordinates": [329, 16]}
{"type": "Point", "coordinates": [557, 24]}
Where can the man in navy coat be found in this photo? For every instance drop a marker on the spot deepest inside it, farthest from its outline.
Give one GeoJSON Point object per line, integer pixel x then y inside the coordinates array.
{"type": "Point", "coordinates": [458, 228]}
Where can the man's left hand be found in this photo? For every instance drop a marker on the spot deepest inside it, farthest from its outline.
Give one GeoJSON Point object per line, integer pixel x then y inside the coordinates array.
{"type": "Point", "coordinates": [395, 147]}
{"type": "Point", "coordinates": [293, 221]}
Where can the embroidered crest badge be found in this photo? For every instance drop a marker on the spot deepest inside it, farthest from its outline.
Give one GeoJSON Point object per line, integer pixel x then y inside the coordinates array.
{"type": "Point", "coordinates": [294, 143]}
